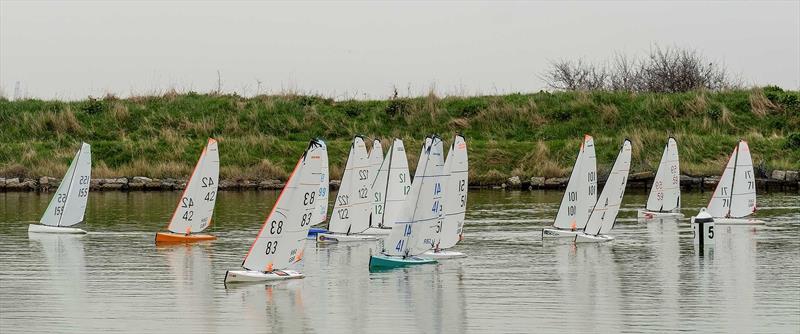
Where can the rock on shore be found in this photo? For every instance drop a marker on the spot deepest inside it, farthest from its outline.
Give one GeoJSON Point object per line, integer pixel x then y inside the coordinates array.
{"type": "Point", "coordinates": [778, 180]}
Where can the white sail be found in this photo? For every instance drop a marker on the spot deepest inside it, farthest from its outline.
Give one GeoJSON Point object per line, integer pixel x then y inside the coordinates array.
{"type": "Point", "coordinates": [68, 205]}
{"type": "Point", "coordinates": [196, 205]}
{"type": "Point", "coordinates": [375, 160]}
{"type": "Point", "coordinates": [605, 210]}
{"type": "Point", "coordinates": [666, 192]}
{"type": "Point", "coordinates": [581, 193]}
{"type": "Point", "coordinates": [391, 186]}
{"type": "Point", "coordinates": [588, 188]}
{"type": "Point", "coordinates": [352, 207]}
{"type": "Point", "coordinates": [456, 171]}
{"type": "Point", "coordinates": [735, 196]}
{"type": "Point", "coordinates": [720, 203]}
{"type": "Point", "coordinates": [414, 231]}
{"type": "Point", "coordinates": [324, 185]}
{"type": "Point", "coordinates": [281, 239]}
{"type": "Point", "coordinates": [743, 197]}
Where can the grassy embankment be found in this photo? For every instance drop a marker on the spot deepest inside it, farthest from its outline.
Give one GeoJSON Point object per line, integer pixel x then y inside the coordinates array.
{"type": "Point", "coordinates": [518, 134]}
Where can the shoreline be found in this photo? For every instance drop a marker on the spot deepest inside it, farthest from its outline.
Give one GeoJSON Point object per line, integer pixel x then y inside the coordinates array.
{"type": "Point", "coordinates": [779, 180]}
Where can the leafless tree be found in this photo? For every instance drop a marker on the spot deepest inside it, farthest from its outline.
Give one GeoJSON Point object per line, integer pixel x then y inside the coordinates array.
{"type": "Point", "coordinates": [670, 69]}
{"type": "Point", "coordinates": [575, 75]}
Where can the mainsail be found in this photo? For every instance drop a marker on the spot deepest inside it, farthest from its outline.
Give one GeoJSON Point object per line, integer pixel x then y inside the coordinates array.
{"type": "Point", "coordinates": [196, 205]}
{"type": "Point", "coordinates": [68, 205]}
{"type": "Point", "coordinates": [666, 193]}
{"type": "Point", "coordinates": [281, 239]}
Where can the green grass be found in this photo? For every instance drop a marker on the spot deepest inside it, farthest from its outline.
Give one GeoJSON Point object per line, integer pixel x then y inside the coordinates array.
{"type": "Point", "coordinates": [518, 134]}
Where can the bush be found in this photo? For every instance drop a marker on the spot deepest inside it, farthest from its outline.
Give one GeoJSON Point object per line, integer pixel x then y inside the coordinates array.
{"type": "Point", "coordinates": [396, 107]}
{"type": "Point", "coordinates": [662, 70]}
{"type": "Point", "coordinates": [93, 106]}
{"type": "Point", "coordinates": [793, 141]}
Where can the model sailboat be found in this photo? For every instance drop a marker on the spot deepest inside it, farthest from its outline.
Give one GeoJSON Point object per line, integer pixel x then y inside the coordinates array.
{"type": "Point", "coordinates": [196, 205]}
{"type": "Point", "coordinates": [389, 190]}
{"type": "Point", "coordinates": [580, 197]}
{"type": "Point", "coordinates": [456, 171]}
{"type": "Point", "coordinates": [281, 240]}
{"type": "Point", "coordinates": [413, 231]}
{"type": "Point", "coordinates": [351, 210]}
{"type": "Point", "coordinates": [68, 205]}
{"type": "Point", "coordinates": [604, 213]}
{"type": "Point", "coordinates": [735, 196]}
{"type": "Point", "coordinates": [665, 196]}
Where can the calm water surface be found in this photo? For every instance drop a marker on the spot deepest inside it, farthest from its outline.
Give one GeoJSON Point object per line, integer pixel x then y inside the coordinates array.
{"type": "Point", "coordinates": [650, 279]}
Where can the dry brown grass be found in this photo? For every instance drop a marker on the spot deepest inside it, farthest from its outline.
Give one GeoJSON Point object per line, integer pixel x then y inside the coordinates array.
{"type": "Point", "coordinates": [608, 113]}
{"type": "Point", "coordinates": [760, 105]}
{"type": "Point", "coordinates": [725, 117]}
{"type": "Point", "coordinates": [538, 162]}
{"type": "Point", "coordinates": [458, 123]}
{"type": "Point", "coordinates": [698, 105]}
{"type": "Point", "coordinates": [60, 122]}
{"type": "Point", "coordinates": [120, 112]}
{"type": "Point", "coordinates": [14, 170]}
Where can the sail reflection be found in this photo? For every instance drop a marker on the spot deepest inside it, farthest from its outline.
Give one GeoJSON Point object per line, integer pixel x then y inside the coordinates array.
{"type": "Point", "coordinates": [64, 276]}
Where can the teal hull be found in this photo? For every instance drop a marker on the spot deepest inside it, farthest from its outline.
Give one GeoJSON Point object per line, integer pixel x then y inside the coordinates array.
{"type": "Point", "coordinates": [389, 262]}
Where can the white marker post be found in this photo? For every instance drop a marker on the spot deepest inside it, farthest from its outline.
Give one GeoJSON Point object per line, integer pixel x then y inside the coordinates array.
{"type": "Point", "coordinates": [703, 229]}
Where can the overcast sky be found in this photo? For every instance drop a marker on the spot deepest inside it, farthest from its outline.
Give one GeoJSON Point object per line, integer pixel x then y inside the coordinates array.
{"type": "Point", "coordinates": [72, 49]}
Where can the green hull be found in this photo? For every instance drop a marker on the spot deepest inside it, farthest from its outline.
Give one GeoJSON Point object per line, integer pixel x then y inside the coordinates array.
{"type": "Point", "coordinates": [389, 262]}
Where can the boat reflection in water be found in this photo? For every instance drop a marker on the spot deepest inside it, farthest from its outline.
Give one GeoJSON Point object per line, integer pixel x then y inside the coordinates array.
{"type": "Point", "coordinates": [191, 275]}
{"type": "Point", "coordinates": [61, 273]}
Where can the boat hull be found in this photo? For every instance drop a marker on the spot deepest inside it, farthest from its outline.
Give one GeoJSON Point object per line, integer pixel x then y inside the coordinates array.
{"type": "Point", "coordinates": [443, 254]}
{"type": "Point", "coordinates": [389, 262]}
{"type": "Point", "coordinates": [39, 228]}
{"type": "Point", "coordinates": [588, 238]}
{"type": "Point", "coordinates": [334, 237]}
{"type": "Point", "coordinates": [245, 276]}
{"type": "Point", "coordinates": [166, 237]}
{"type": "Point", "coordinates": [738, 221]}
{"type": "Point", "coordinates": [553, 233]}
{"type": "Point", "coordinates": [312, 232]}
{"type": "Point", "coordinates": [649, 215]}
{"type": "Point", "coordinates": [377, 231]}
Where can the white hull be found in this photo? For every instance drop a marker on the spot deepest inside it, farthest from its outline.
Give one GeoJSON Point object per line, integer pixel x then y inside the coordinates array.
{"type": "Point", "coordinates": [243, 276]}
{"type": "Point", "coordinates": [550, 233]}
{"type": "Point", "coordinates": [377, 231]}
{"type": "Point", "coordinates": [443, 254]}
{"type": "Point", "coordinates": [588, 238]}
{"type": "Point", "coordinates": [648, 215]}
{"type": "Point", "coordinates": [335, 237]}
{"type": "Point", "coordinates": [738, 221]}
{"type": "Point", "coordinates": [39, 228]}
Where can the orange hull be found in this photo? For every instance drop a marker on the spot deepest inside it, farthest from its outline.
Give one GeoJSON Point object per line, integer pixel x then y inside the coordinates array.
{"type": "Point", "coordinates": [173, 237]}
